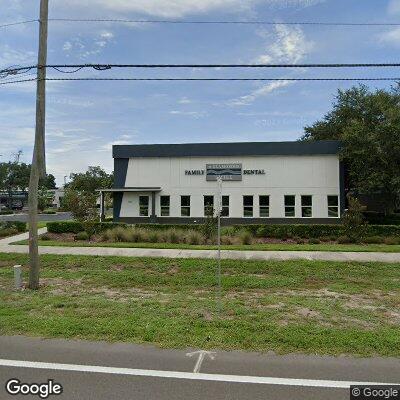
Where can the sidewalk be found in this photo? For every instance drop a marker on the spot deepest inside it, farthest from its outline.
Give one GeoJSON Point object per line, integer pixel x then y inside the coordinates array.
{"type": "Point", "coordinates": [5, 247]}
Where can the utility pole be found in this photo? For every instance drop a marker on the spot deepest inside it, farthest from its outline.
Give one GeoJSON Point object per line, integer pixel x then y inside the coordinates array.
{"type": "Point", "coordinates": [38, 168]}
{"type": "Point", "coordinates": [219, 210]}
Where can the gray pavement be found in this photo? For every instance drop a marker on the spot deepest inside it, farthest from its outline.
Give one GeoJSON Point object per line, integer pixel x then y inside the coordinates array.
{"type": "Point", "coordinates": [61, 216]}
{"type": "Point", "coordinates": [148, 360]}
{"type": "Point", "coordinates": [6, 247]}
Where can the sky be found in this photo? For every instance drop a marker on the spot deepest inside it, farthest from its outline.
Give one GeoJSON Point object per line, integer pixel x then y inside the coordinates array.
{"type": "Point", "coordinates": [84, 119]}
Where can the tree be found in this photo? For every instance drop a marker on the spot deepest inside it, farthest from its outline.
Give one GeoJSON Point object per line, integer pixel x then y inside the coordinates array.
{"type": "Point", "coordinates": [82, 205]}
{"type": "Point", "coordinates": [354, 224]}
{"type": "Point", "coordinates": [368, 124]}
{"type": "Point", "coordinates": [93, 179]}
{"type": "Point", "coordinates": [45, 199]}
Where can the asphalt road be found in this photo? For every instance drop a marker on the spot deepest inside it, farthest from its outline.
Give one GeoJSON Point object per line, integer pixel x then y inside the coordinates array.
{"type": "Point", "coordinates": [42, 217]}
{"type": "Point", "coordinates": [134, 367]}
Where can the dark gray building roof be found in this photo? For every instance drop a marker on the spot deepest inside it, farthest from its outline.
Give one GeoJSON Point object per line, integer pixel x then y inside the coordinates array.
{"type": "Point", "coordinates": [228, 149]}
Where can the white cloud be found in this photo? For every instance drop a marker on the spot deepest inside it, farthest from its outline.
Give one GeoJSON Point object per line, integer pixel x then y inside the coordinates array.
{"type": "Point", "coordinates": [181, 8]}
{"type": "Point", "coordinates": [391, 37]}
{"type": "Point", "coordinates": [84, 48]}
{"type": "Point", "coordinates": [10, 56]}
{"type": "Point", "coordinates": [194, 114]}
{"type": "Point", "coordinates": [260, 92]}
{"type": "Point", "coordinates": [286, 44]}
{"type": "Point", "coordinates": [184, 100]}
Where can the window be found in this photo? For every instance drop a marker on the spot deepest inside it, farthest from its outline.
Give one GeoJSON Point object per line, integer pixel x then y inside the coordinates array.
{"type": "Point", "coordinates": [290, 206]}
{"type": "Point", "coordinates": [333, 206]}
{"type": "Point", "coordinates": [185, 206]}
{"type": "Point", "coordinates": [306, 206]}
{"type": "Point", "coordinates": [264, 206]}
{"type": "Point", "coordinates": [144, 206]}
{"type": "Point", "coordinates": [165, 202]}
{"type": "Point", "coordinates": [208, 206]}
{"type": "Point", "coordinates": [225, 206]}
{"type": "Point", "coordinates": [247, 206]}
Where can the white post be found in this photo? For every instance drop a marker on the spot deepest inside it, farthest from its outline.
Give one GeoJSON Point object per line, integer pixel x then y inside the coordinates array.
{"type": "Point", "coordinates": [17, 277]}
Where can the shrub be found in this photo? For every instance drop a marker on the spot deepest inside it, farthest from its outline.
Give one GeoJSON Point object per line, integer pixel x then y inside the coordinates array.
{"type": "Point", "coordinates": [373, 239]}
{"type": "Point", "coordinates": [174, 236]}
{"type": "Point", "coordinates": [325, 239]}
{"type": "Point", "coordinates": [45, 236]}
{"type": "Point", "coordinates": [49, 211]}
{"type": "Point", "coordinates": [228, 231]}
{"type": "Point", "coordinates": [354, 224]}
{"type": "Point", "coordinates": [154, 236]}
{"type": "Point", "coordinates": [6, 212]}
{"type": "Point", "coordinates": [314, 241]}
{"type": "Point", "coordinates": [299, 240]}
{"type": "Point", "coordinates": [193, 237]}
{"type": "Point", "coordinates": [76, 226]}
{"type": "Point", "coordinates": [226, 240]}
{"type": "Point", "coordinates": [246, 237]}
{"type": "Point", "coordinates": [344, 240]}
{"type": "Point", "coordinates": [391, 240]}
{"type": "Point", "coordinates": [8, 232]}
{"type": "Point", "coordinates": [18, 225]}
{"type": "Point", "coordinates": [82, 236]}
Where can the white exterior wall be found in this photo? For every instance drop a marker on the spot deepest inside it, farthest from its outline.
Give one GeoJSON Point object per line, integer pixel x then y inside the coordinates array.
{"type": "Point", "coordinates": [316, 175]}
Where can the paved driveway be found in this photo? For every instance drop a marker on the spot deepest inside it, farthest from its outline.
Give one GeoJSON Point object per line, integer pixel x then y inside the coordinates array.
{"type": "Point", "coordinates": [42, 217]}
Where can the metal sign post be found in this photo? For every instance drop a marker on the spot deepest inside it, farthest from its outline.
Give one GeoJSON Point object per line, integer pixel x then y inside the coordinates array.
{"type": "Point", "coordinates": [219, 210]}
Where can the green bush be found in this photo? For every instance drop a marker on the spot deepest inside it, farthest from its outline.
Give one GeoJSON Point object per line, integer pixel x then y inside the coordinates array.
{"type": "Point", "coordinates": [344, 240]}
{"type": "Point", "coordinates": [194, 237]}
{"type": "Point", "coordinates": [82, 236]}
{"type": "Point", "coordinates": [373, 240]}
{"type": "Point", "coordinates": [45, 236]}
{"type": "Point", "coordinates": [8, 232]}
{"type": "Point", "coordinates": [6, 212]}
{"type": "Point", "coordinates": [174, 236]}
{"type": "Point", "coordinates": [226, 240]}
{"type": "Point", "coordinates": [246, 237]}
{"type": "Point", "coordinates": [392, 240]}
{"type": "Point", "coordinates": [325, 239]}
{"type": "Point", "coordinates": [49, 211]}
{"type": "Point", "coordinates": [17, 225]}
{"type": "Point", "coordinates": [154, 236]}
{"type": "Point", "coordinates": [76, 227]}
{"type": "Point", "coordinates": [314, 241]}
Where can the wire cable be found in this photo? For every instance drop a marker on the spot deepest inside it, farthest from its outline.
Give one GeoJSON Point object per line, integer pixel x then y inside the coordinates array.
{"type": "Point", "coordinates": [223, 79]}
{"type": "Point", "coordinates": [19, 81]}
{"type": "Point", "coordinates": [18, 23]}
{"type": "Point", "coordinates": [140, 21]}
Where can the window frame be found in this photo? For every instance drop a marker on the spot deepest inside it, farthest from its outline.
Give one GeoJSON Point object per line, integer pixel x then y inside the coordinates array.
{"type": "Point", "coordinates": [248, 206]}
{"type": "Point", "coordinates": [263, 207]}
{"type": "Point", "coordinates": [212, 204]}
{"type": "Point", "coordinates": [165, 207]}
{"type": "Point", "coordinates": [289, 206]}
{"type": "Point", "coordinates": [145, 206]}
{"type": "Point", "coordinates": [225, 207]}
{"type": "Point", "coordinates": [185, 207]}
{"type": "Point", "coordinates": [335, 207]}
{"type": "Point", "coordinates": [304, 207]}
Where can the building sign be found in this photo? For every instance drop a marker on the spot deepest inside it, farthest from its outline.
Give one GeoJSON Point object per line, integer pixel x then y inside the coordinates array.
{"type": "Point", "coordinates": [228, 172]}
{"type": "Point", "coordinates": [194, 172]}
{"type": "Point", "coordinates": [254, 172]}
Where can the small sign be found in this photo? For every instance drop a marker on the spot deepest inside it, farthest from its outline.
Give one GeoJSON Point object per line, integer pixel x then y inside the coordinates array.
{"type": "Point", "coordinates": [228, 172]}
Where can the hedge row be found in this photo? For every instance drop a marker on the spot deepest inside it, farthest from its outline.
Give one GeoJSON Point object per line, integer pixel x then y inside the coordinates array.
{"type": "Point", "coordinates": [375, 218]}
{"type": "Point", "coordinates": [76, 227]}
{"type": "Point", "coordinates": [273, 231]}
{"type": "Point", "coordinates": [18, 225]}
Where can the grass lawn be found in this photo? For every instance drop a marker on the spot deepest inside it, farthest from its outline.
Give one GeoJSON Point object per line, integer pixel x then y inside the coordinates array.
{"type": "Point", "coordinates": [295, 306]}
{"type": "Point", "coordinates": [263, 247]}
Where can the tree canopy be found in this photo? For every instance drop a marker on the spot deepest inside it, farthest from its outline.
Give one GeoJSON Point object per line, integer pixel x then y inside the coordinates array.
{"type": "Point", "coordinates": [15, 176]}
{"type": "Point", "coordinates": [368, 124]}
{"type": "Point", "coordinates": [93, 179]}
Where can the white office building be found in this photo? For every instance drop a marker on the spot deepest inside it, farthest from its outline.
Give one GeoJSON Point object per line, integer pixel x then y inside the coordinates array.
{"type": "Point", "coordinates": [276, 182]}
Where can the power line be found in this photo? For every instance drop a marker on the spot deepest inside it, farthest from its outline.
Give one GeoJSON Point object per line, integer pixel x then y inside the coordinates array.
{"type": "Point", "coordinates": [102, 67]}
{"type": "Point", "coordinates": [207, 79]}
{"type": "Point", "coordinates": [18, 81]}
{"type": "Point", "coordinates": [224, 79]}
{"type": "Point", "coordinates": [18, 23]}
{"type": "Point", "coordinates": [140, 21]}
